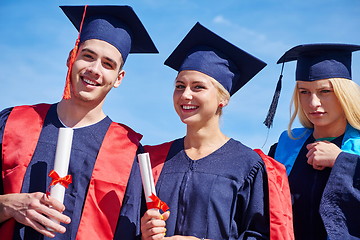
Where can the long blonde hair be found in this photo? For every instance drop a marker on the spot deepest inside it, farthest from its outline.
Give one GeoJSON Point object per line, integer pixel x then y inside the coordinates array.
{"type": "Point", "coordinates": [348, 94]}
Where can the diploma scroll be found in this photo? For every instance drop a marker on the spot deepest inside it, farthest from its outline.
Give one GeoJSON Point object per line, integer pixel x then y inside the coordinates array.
{"type": "Point", "coordinates": [61, 165]}
{"type": "Point", "coordinates": [152, 201]}
{"type": "Point", "coordinates": [146, 176]}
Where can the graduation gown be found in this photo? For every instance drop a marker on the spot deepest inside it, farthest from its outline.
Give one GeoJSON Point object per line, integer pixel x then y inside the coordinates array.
{"type": "Point", "coordinates": [325, 203]}
{"type": "Point", "coordinates": [87, 142]}
{"type": "Point", "coordinates": [221, 196]}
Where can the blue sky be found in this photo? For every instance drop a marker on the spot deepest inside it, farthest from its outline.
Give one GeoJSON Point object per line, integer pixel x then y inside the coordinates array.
{"type": "Point", "coordinates": [36, 38]}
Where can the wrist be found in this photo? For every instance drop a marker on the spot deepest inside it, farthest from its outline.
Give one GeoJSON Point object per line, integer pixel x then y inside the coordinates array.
{"type": "Point", "coordinates": [4, 209]}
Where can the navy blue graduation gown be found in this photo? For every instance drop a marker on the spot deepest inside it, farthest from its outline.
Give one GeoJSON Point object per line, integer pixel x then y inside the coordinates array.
{"type": "Point", "coordinates": [221, 196]}
{"type": "Point", "coordinates": [326, 197]}
{"type": "Point", "coordinates": [85, 147]}
{"type": "Point", "coordinates": [340, 203]}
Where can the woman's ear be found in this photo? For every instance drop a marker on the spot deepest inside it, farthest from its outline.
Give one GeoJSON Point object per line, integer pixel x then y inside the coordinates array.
{"type": "Point", "coordinates": [223, 102]}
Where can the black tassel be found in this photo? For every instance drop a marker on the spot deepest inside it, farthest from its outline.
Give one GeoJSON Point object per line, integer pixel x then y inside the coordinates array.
{"type": "Point", "coordinates": [272, 109]}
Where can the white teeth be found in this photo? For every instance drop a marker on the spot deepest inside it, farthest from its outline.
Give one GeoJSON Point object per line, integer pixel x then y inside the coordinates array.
{"type": "Point", "coordinates": [89, 82]}
{"type": "Point", "coordinates": [189, 107]}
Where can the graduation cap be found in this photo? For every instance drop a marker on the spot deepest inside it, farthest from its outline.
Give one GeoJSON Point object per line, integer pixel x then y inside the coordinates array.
{"type": "Point", "coordinates": [315, 62]}
{"type": "Point", "coordinates": [204, 51]}
{"type": "Point", "coordinates": [116, 25]}
{"type": "Point", "coordinates": [321, 61]}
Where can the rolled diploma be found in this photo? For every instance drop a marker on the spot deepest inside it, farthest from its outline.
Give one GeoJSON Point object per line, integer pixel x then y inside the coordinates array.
{"type": "Point", "coordinates": [146, 175]}
{"type": "Point", "coordinates": [62, 159]}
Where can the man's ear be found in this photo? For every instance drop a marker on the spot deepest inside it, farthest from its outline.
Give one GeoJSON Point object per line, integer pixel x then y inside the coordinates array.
{"type": "Point", "coordinates": [68, 58]}
{"type": "Point", "coordinates": [119, 78]}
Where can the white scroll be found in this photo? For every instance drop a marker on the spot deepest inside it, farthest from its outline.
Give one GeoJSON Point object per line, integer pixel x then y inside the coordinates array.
{"type": "Point", "coordinates": [146, 175]}
{"type": "Point", "coordinates": [62, 159]}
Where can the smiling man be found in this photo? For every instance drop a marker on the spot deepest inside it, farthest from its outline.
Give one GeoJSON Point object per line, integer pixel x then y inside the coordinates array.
{"type": "Point", "coordinates": [103, 152]}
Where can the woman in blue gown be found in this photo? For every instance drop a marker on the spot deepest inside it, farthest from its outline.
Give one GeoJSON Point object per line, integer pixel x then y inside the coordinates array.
{"type": "Point", "coordinates": [322, 159]}
{"type": "Point", "coordinates": [215, 186]}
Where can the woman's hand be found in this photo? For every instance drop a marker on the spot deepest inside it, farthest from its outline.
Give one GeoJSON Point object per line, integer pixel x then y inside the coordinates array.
{"type": "Point", "coordinates": [34, 210]}
{"type": "Point", "coordinates": [153, 224]}
{"type": "Point", "coordinates": [322, 154]}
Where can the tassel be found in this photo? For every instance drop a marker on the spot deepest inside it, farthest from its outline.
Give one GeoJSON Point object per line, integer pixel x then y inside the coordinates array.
{"type": "Point", "coordinates": [273, 106]}
{"type": "Point", "coordinates": [67, 89]}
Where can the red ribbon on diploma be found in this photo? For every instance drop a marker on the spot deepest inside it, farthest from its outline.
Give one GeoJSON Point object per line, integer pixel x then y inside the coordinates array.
{"type": "Point", "coordinates": [65, 181]}
{"type": "Point", "coordinates": [157, 203]}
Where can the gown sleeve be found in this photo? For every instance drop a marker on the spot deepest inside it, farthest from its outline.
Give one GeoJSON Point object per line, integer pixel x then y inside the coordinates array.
{"type": "Point", "coordinates": [253, 200]}
{"type": "Point", "coordinates": [128, 227]}
{"type": "Point", "coordinates": [339, 205]}
{"type": "Point", "coordinates": [4, 114]}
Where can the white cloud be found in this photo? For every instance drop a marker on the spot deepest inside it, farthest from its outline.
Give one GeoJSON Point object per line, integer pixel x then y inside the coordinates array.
{"type": "Point", "coordinates": [221, 20]}
{"type": "Point", "coordinates": [248, 38]}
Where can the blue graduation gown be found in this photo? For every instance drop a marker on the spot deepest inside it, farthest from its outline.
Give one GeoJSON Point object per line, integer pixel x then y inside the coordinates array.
{"type": "Point", "coordinates": [325, 203]}
{"type": "Point", "coordinates": [221, 196]}
{"type": "Point", "coordinates": [85, 148]}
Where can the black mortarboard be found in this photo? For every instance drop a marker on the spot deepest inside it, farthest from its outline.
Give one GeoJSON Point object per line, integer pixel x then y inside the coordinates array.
{"type": "Point", "coordinates": [117, 25]}
{"type": "Point", "coordinates": [315, 62]}
{"type": "Point", "coordinates": [204, 51]}
{"type": "Point", "coordinates": [321, 61]}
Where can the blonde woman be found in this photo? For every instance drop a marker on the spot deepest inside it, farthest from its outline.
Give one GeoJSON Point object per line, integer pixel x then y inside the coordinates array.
{"type": "Point", "coordinates": [322, 159]}
{"type": "Point", "coordinates": [215, 186]}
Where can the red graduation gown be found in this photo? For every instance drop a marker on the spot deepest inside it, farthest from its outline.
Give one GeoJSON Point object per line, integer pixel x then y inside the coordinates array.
{"type": "Point", "coordinates": [102, 207]}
